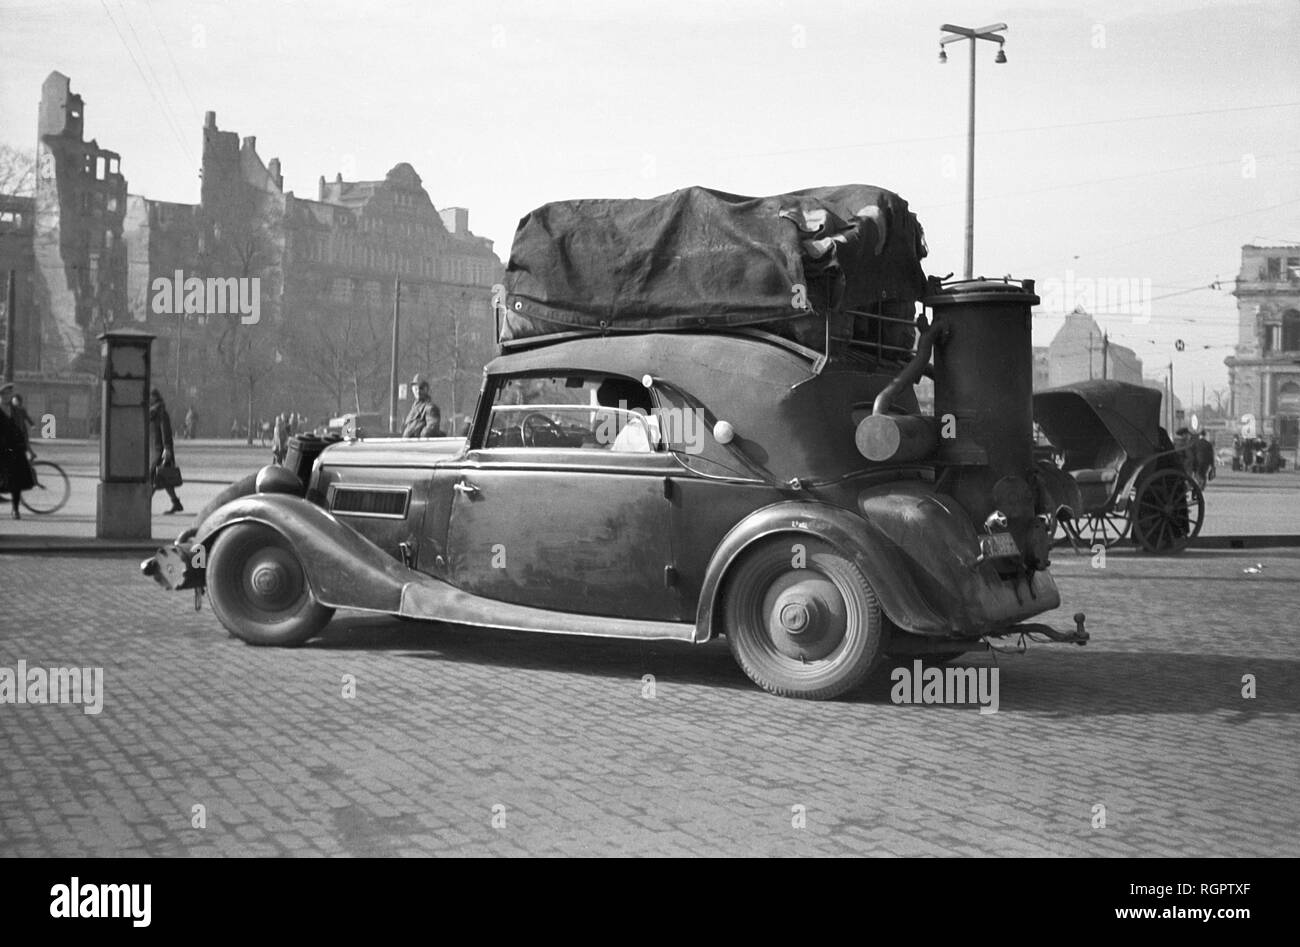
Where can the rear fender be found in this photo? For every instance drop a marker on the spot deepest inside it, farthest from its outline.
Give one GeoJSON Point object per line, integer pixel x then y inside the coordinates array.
{"type": "Point", "coordinates": [344, 569]}
{"type": "Point", "coordinates": [917, 548]}
{"type": "Point", "coordinates": [873, 552]}
{"type": "Point", "coordinates": [932, 536]}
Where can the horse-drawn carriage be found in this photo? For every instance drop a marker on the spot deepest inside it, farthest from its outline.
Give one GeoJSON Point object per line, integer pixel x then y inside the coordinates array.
{"type": "Point", "coordinates": [1106, 435]}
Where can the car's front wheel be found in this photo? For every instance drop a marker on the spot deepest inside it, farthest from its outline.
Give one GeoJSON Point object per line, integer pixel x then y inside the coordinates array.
{"type": "Point", "coordinates": [801, 619]}
{"type": "Point", "coordinates": [259, 590]}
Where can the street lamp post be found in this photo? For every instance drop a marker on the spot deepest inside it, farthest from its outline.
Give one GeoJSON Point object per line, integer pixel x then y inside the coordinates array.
{"type": "Point", "coordinates": [392, 363]}
{"type": "Point", "coordinates": [955, 34]}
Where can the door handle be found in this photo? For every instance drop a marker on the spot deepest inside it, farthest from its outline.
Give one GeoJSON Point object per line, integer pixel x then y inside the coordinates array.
{"type": "Point", "coordinates": [460, 486]}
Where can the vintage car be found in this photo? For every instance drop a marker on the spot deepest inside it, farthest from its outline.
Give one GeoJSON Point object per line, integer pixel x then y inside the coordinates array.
{"type": "Point", "coordinates": [685, 484]}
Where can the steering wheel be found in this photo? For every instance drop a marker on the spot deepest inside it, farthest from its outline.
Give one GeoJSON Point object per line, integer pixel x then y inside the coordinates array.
{"type": "Point", "coordinates": [528, 436]}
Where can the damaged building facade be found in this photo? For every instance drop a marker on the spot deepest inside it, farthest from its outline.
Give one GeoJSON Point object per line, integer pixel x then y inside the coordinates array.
{"type": "Point", "coordinates": [89, 256]}
{"type": "Point", "coordinates": [65, 247]}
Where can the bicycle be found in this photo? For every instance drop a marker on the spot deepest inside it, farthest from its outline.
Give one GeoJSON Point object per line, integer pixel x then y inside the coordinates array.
{"type": "Point", "coordinates": [50, 492]}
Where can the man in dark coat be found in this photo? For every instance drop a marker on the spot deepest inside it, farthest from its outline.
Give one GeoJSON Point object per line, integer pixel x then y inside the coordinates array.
{"type": "Point", "coordinates": [15, 469]}
{"type": "Point", "coordinates": [162, 449]}
{"type": "Point", "coordinates": [1202, 460]}
{"type": "Point", "coordinates": [425, 418]}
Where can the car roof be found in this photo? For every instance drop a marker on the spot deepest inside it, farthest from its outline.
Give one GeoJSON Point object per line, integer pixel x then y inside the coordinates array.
{"type": "Point", "coordinates": [793, 421]}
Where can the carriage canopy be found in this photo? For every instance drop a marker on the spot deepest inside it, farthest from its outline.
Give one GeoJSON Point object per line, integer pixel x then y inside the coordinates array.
{"type": "Point", "coordinates": [1092, 418]}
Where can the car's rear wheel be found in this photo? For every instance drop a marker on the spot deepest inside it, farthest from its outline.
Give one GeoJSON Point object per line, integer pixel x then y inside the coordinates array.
{"type": "Point", "coordinates": [801, 619]}
{"type": "Point", "coordinates": [259, 590]}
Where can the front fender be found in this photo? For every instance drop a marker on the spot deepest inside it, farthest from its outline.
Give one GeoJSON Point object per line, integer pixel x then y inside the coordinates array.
{"type": "Point", "coordinates": [344, 569]}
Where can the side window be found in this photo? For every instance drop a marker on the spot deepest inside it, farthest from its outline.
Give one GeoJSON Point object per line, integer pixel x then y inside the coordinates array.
{"type": "Point", "coordinates": [584, 412]}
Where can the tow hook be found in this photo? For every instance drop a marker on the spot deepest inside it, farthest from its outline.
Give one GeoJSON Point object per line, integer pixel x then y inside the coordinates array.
{"type": "Point", "coordinates": [1079, 636]}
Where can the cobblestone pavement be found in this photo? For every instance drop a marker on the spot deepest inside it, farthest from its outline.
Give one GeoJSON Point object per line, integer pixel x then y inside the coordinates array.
{"type": "Point", "coordinates": [461, 741]}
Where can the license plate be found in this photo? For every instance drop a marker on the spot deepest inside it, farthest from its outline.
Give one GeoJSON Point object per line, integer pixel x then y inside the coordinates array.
{"type": "Point", "coordinates": [998, 545]}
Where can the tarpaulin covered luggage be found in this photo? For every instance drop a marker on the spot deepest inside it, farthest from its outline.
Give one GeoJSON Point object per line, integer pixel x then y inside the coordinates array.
{"type": "Point", "coordinates": [704, 259]}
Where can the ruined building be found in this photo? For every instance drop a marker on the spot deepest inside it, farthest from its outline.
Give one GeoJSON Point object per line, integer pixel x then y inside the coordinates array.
{"type": "Point", "coordinates": [90, 257]}
{"type": "Point", "coordinates": [66, 249]}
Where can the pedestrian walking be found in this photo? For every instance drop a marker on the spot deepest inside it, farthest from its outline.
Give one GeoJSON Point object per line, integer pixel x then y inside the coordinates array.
{"type": "Point", "coordinates": [191, 424]}
{"type": "Point", "coordinates": [24, 420]}
{"type": "Point", "coordinates": [162, 451]}
{"type": "Point", "coordinates": [16, 474]}
{"type": "Point", "coordinates": [280, 439]}
{"type": "Point", "coordinates": [1202, 455]}
{"type": "Point", "coordinates": [425, 418]}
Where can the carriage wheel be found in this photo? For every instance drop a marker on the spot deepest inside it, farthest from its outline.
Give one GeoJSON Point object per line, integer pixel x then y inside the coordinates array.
{"type": "Point", "coordinates": [1108, 528]}
{"type": "Point", "coordinates": [1168, 510]}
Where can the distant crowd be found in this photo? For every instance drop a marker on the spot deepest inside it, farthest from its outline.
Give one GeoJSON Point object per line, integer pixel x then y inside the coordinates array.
{"type": "Point", "coordinates": [1255, 455]}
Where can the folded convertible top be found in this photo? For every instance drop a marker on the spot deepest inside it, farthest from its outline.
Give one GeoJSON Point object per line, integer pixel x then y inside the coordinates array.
{"type": "Point", "coordinates": [704, 259]}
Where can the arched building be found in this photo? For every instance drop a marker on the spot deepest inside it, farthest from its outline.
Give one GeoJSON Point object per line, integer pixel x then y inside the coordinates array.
{"type": "Point", "coordinates": [1264, 370]}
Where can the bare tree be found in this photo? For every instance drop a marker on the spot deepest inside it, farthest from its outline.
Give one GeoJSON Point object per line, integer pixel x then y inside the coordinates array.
{"type": "Point", "coordinates": [242, 246]}
{"type": "Point", "coordinates": [461, 355]}
{"type": "Point", "coordinates": [338, 349]}
{"type": "Point", "coordinates": [17, 171]}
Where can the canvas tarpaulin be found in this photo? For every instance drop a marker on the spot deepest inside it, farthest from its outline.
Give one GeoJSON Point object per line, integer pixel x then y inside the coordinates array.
{"type": "Point", "coordinates": [698, 258]}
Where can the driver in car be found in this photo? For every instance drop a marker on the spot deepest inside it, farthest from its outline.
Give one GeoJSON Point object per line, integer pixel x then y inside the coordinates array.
{"type": "Point", "coordinates": [636, 433]}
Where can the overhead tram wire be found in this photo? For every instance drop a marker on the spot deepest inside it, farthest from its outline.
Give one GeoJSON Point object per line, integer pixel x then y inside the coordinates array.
{"type": "Point", "coordinates": [162, 106]}
{"type": "Point", "coordinates": [1110, 248]}
{"type": "Point", "coordinates": [1111, 180]}
{"type": "Point", "coordinates": [921, 139]}
{"type": "Point", "coordinates": [180, 78]}
{"type": "Point", "coordinates": [822, 149]}
{"type": "Point", "coordinates": [157, 83]}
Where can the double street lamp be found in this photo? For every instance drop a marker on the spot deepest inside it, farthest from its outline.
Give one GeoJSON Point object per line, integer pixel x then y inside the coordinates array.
{"type": "Point", "coordinates": [956, 34]}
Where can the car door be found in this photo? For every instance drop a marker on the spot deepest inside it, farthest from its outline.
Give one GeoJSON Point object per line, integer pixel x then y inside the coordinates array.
{"type": "Point", "coordinates": [563, 525]}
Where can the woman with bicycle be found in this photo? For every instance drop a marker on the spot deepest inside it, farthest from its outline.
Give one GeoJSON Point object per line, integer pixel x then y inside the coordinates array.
{"type": "Point", "coordinates": [15, 469]}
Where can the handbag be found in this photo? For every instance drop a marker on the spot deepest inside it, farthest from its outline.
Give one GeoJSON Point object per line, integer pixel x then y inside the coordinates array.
{"type": "Point", "coordinates": [167, 475]}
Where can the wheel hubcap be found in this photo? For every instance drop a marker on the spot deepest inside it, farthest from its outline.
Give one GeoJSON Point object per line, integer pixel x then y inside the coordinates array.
{"type": "Point", "coordinates": [274, 581]}
{"type": "Point", "coordinates": [805, 615]}
{"type": "Point", "coordinates": [268, 579]}
{"type": "Point", "coordinates": [795, 617]}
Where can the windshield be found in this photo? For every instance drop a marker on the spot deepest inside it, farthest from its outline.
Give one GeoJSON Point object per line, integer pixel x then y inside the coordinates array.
{"type": "Point", "coordinates": [596, 412]}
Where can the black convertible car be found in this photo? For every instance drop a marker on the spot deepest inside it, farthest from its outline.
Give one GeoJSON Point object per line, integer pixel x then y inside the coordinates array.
{"type": "Point", "coordinates": [715, 476]}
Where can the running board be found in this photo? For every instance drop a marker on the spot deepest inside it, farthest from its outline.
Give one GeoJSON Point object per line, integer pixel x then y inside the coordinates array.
{"type": "Point", "coordinates": [429, 599]}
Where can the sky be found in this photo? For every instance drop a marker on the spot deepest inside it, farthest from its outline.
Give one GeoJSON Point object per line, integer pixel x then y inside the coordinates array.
{"type": "Point", "coordinates": [1142, 141]}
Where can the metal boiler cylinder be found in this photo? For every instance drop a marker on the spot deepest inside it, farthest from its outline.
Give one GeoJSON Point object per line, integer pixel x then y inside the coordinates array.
{"type": "Point", "coordinates": [983, 393]}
